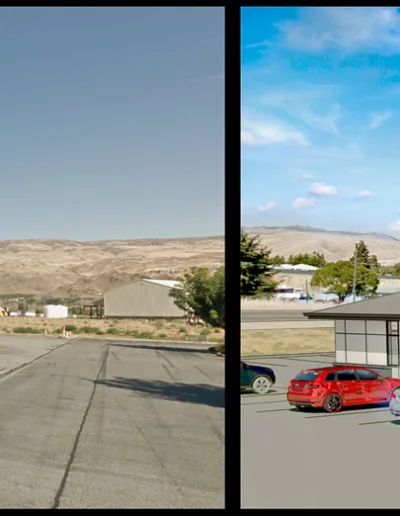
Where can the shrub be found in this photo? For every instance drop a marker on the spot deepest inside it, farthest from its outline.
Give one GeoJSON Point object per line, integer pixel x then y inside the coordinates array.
{"type": "Point", "coordinates": [113, 331]}
{"type": "Point", "coordinates": [205, 331]}
{"type": "Point", "coordinates": [193, 337]}
{"type": "Point", "coordinates": [26, 329]}
{"type": "Point", "coordinates": [162, 336]}
{"type": "Point", "coordinates": [88, 329]}
{"type": "Point", "coordinates": [182, 329]}
{"type": "Point", "coordinates": [58, 331]}
{"type": "Point", "coordinates": [20, 329]}
{"type": "Point", "coordinates": [159, 324]}
{"type": "Point", "coordinates": [71, 327]}
{"type": "Point", "coordinates": [145, 335]}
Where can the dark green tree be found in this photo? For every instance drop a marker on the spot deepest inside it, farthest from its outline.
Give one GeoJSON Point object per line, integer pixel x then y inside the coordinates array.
{"type": "Point", "coordinates": [256, 274]}
{"type": "Point", "coordinates": [362, 254]}
{"type": "Point", "coordinates": [203, 294]}
{"type": "Point", "coordinates": [338, 277]}
{"type": "Point", "coordinates": [277, 260]}
{"type": "Point", "coordinates": [314, 259]}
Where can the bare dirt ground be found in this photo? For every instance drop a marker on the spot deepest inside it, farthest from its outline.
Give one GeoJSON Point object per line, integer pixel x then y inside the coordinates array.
{"type": "Point", "coordinates": [286, 342]}
{"type": "Point", "coordinates": [66, 268]}
{"type": "Point", "coordinates": [157, 330]}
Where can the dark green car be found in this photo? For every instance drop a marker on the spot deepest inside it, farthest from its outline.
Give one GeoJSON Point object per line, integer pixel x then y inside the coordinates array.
{"type": "Point", "coordinates": [257, 378]}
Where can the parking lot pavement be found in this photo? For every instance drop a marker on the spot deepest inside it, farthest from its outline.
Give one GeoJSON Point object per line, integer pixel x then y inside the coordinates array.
{"type": "Point", "coordinates": [99, 424]}
{"type": "Point", "coordinates": [313, 459]}
{"type": "Point", "coordinates": [18, 350]}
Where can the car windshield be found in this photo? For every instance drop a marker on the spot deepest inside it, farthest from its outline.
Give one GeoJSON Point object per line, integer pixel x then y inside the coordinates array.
{"type": "Point", "coordinates": [307, 376]}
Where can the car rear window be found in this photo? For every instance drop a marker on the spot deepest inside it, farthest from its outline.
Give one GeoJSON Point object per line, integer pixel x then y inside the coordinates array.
{"type": "Point", "coordinates": [307, 376]}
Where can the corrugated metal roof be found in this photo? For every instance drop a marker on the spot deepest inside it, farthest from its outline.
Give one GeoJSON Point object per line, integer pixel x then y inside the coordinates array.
{"type": "Point", "coordinates": [385, 307]}
{"type": "Point", "coordinates": [163, 282]}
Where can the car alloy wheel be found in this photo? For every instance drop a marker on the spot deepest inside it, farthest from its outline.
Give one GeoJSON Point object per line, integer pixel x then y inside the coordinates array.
{"type": "Point", "coordinates": [333, 403]}
{"type": "Point", "coordinates": [261, 384]}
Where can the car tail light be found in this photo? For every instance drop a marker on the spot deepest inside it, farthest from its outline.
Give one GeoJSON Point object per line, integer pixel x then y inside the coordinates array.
{"type": "Point", "coordinates": [314, 386]}
{"type": "Point", "coordinates": [394, 397]}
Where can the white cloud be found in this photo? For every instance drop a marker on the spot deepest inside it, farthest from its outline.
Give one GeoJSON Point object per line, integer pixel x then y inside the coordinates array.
{"type": "Point", "coordinates": [364, 193]}
{"type": "Point", "coordinates": [345, 28]}
{"type": "Point", "coordinates": [268, 133]}
{"type": "Point", "coordinates": [322, 189]}
{"type": "Point", "coordinates": [377, 119]}
{"type": "Point", "coordinates": [265, 208]}
{"type": "Point", "coordinates": [304, 202]}
{"type": "Point", "coordinates": [394, 226]}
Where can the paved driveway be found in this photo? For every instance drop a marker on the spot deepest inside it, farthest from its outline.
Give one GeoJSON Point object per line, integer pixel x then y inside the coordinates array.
{"type": "Point", "coordinates": [114, 424]}
{"type": "Point", "coordinates": [314, 459]}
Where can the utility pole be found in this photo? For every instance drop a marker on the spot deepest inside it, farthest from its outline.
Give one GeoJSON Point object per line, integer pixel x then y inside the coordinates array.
{"type": "Point", "coordinates": [355, 273]}
{"type": "Point", "coordinates": [306, 290]}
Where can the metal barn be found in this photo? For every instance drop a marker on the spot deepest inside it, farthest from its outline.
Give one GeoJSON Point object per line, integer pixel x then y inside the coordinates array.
{"type": "Point", "coordinates": [143, 299]}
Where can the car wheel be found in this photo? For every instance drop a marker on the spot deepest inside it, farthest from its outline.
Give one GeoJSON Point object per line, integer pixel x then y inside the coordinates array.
{"type": "Point", "coordinates": [261, 384]}
{"type": "Point", "coordinates": [333, 403]}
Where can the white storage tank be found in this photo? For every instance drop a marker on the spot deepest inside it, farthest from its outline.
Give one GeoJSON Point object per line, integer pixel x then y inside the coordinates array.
{"type": "Point", "coordinates": [56, 311]}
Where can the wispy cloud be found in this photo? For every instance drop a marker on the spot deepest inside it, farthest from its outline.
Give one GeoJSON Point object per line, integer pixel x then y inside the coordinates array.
{"type": "Point", "coordinates": [265, 208]}
{"type": "Point", "coordinates": [205, 78]}
{"type": "Point", "coordinates": [364, 193]}
{"type": "Point", "coordinates": [298, 103]}
{"type": "Point", "coordinates": [264, 43]}
{"type": "Point", "coordinates": [344, 28]}
{"type": "Point", "coordinates": [306, 176]}
{"type": "Point", "coordinates": [304, 202]}
{"type": "Point", "coordinates": [268, 133]}
{"type": "Point", "coordinates": [377, 119]}
{"type": "Point", "coordinates": [322, 189]}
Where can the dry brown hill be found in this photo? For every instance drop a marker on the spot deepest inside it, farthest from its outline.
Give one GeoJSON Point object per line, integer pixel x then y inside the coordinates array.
{"type": "Point", "coordinates": [68, 268]}
{"type": "Point", "coordinates": [335, 245]}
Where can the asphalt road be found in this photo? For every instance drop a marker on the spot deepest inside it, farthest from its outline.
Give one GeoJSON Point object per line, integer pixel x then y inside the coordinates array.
{"type": "Point", "coordinates": [311, 459]}
{"type": "Point", "coordinates": [97, 424]}
{"type": "Point", "coordinates": [272, 315]}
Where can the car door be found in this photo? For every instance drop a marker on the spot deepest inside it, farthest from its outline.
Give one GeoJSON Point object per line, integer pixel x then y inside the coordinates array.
{"type": "Point", "coordinates": [245, 376]}
{"type": "Point", "coordinates": [349, 386]}
{"type": "Point", "coordinates": [376, 388]}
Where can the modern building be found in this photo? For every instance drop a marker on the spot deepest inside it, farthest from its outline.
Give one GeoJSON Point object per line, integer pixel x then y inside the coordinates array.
{"type": "Point", "coordinates": [366, 332]}
{"type": "Point", "coordinates": [143, 299]}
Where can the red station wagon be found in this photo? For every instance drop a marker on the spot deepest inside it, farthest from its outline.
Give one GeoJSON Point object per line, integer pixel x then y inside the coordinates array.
{"type": "Point", "coordinates": [333, 388]}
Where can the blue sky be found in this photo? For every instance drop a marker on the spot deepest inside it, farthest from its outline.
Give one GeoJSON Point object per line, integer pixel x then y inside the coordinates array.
{"type": "Point", "coordinates": [112, 122]}
{"type": "Point", "coordinates": [320, 118]}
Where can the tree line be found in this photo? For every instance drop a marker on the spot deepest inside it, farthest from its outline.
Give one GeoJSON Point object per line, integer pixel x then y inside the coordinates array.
{"type": "Point", "coordinates": [258, 274]}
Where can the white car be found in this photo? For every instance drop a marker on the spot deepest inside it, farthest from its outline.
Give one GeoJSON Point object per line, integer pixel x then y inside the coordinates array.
{"type": "Point", "coordinates": [394, 403]}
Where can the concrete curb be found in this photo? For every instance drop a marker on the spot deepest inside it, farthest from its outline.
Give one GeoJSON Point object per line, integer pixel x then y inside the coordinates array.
{"type": "Point", "coordinates": [154, 341]}
{"type": "Point", "coordinates": [309, 355]}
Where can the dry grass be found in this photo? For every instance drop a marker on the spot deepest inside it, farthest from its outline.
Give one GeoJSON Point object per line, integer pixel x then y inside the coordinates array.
{"type": "Point", "coordinates": [285, 342]}
{"type": "Point", "coordinates": [156, 330]}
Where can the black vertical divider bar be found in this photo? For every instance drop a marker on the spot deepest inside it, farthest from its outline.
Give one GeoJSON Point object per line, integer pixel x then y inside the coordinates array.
{"type": "Point", "coordinates": [232, 255]}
